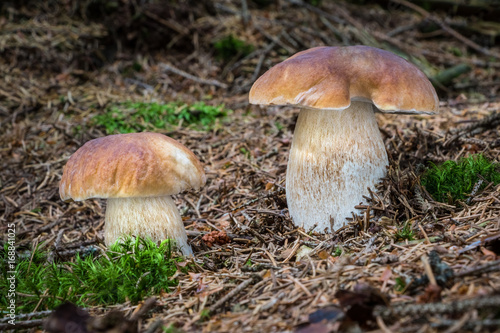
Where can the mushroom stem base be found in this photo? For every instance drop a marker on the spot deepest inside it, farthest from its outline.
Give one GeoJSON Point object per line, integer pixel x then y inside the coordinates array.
{"type": "Point", "coordinates": [335, 156]}
{"type": "Point", "coordinates": [156, 218]}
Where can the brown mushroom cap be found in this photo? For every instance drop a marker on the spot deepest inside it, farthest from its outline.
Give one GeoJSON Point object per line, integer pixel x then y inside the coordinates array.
{"type": "Point", "coordinates": [330, 77]}
{"type": "Point", "coordinates": [130, 165]}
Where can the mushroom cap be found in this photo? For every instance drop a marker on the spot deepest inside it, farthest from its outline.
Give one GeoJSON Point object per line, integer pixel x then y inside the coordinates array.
{"type": "Point", "coordinates": [330, 77]}
{"type": "Point", "coordinates": [130, 165]}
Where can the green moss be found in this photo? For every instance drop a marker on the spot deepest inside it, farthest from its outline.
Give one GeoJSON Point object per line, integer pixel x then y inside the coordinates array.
{"type": "Point", "coordinates": [131, 117]}
{"type": "Point", "coordinates": [245, 152]}
{"type": "Point", "coordinates": [229, 47]}
{"type": "Point", "coordinates": [205, 314]}
{"type": "Point", "coordinates": [400, 285]}
{"type": "Point", "coordinates": [452, 181]}
{"type": "Point", "coordinates": [130, 271]}
{"type": "Point", "coordinates": [171, 329]}
{"type": "Point", "coordinates": [405, 232]}
{"type": "Point", "coordinates": [279, 125]}
{"type": "Point", "coordinates": [337, 251]}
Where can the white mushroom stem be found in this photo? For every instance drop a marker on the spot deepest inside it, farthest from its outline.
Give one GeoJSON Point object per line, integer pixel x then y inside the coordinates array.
{"type": "Point", "coordinates": [155, 217]}
{"type": "Point", "coordinates": [335, 156]}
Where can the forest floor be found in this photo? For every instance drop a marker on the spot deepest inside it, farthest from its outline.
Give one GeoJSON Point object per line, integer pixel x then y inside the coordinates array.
{"type": "Point", "coordinates": [403, 263]}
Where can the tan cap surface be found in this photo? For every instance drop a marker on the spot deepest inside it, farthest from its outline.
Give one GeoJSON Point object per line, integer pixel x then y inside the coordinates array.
{"type": "Point", "coordinates": [130, 165]}
{"type": "Point", "coordinates": [330, 77]}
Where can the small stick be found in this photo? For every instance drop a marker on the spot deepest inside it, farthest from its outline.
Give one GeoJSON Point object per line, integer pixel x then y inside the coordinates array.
{"type": "Point", "coordinates": [192, 77]}
{"type": "Point", "coordinates": [50, 257]}
{"type": "Point", "coordinates": [171, 24]}
{"type": "Point", "coordinates": [447, 28]}
{"type": "Point", "coordinates": [265, 196]}
{"type": "Point", "coordinates": [405, 309]}
{"type": "Point", "coordinates": [485, 123]}
{"type": "Point", "coordinates": [469, 325]}
{"type": "Point", "coordinates": [337, 32]}
{"type": "Point", "coordinates": [258, 268]}
{"type": "Point", "coordinates": [381, 324]}
{"type": "Point", "coordinates": [28, 315]}
{"type": "Point", "coordinates": [234, 292]}
{"type": "Point", "coordinates": [58, 238]}
{"type": "Point", "coordinates": [245, 15]}
{"type": "Point", "coordinates": [318, 11]}
{"type": "Point", "coordinates": [42, 229]}
{"type": "Point", "coordinates": [22, 324]}
{"type": "Point", "coordinates": [367, 219]}
{"type": "Point", "coordinates": [256, 72]}
{"type": "Point", "coordinates": [457, 325]}
{"type": "Point", "coordinates": [257, 235]}
{"type": "Point", "coordinates": [146, 306]}
{"type": "Point", "coordinates": [300, 285]}
{"type": "Point", "coordinates": [41, 299]}
{"type": "Point", "coordinates": [428, 269]}
{"type": "Point", "coordinates": [491, 266]}
{"type": "Point", "coordinates": [424, 204]}
{"type": "Point", "coordinates": [265, 50]}
{"type": "Point", "coordinates": [275, 40]}
{"type": "Point", "coordinates": [475, 141]}
{"type": "Point", "coordinates": [474, 190]}
{"type": "Point", "coordinates": [425, 234]}
{"type": "Point", "coordinates": [249, 256]}
{"type": "Point", "coordinates": [294, 249]}
{"type": "Point", "coordinates": [154, 326]}
{"type": "Point", "coordinates": [271, 257]}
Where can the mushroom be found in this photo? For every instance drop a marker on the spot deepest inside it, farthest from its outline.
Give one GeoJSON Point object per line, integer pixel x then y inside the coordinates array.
{"type": "Point", "coordinates": [337, 150]}
{"type": "Point", "coordinates": [137, 173]}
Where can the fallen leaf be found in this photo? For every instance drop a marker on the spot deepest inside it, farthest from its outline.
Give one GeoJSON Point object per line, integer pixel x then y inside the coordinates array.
{"type": "Point", "coordinates": [201, 286]}
{"type": "Point", "coordinates": [386, 275]}
{"type": "Point", "coordinates": [286, 253]}
{"type": "Point", "coordinates": [323, 255]}
{"type": "Point", "coordinates": [194, 276]}
{"type": "Point", "coordinates": [302, 252]}
{"type": "Point", "coordinates": [488, 253]}
{"type": "Point", "coordinates": [269, 186]}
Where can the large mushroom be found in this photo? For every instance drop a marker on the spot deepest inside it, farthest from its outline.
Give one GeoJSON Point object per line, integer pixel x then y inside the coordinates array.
{"type": "Point", "coordinates": [137, 173]}
{"type": "Point", "coordinates": [337, 150]}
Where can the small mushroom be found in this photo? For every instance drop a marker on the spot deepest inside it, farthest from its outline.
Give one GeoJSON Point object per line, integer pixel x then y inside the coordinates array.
{"type": "Point", "coordinates": [337, 150]}
{"type": "Point", "coordinates": [137, 173]}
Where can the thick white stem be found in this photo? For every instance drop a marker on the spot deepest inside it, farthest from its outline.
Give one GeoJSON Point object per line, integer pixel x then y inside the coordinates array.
{"type": "Point", "coordinates": [335, 156]}
{"type": "Point", "coordinates": [156, 217]}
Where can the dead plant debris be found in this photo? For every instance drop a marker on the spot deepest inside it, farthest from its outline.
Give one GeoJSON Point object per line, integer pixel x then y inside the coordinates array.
{"type": "Point", "coordinates": [403, 262]}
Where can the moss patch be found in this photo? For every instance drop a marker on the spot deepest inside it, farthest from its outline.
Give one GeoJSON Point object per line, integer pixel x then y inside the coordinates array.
{"type": "Point", "coordinates": [130, 271]}
{"type": "Point", "coordinates": [131, 117]}
{"type": "Point", "coordinates": [229, 47]}
{"type": "Point", "coordinates": [452, 181]}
